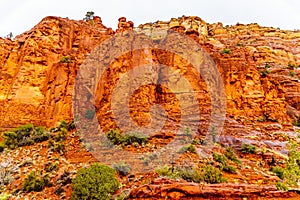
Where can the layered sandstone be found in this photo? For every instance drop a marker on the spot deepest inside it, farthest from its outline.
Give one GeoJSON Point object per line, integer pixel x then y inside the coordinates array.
{"type": "Point", "coordinates": [39, 69]}
{"type": "Point", "coordinates": [37, 87]}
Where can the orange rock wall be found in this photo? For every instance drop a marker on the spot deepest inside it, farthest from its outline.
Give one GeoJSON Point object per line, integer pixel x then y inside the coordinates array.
{"type": "Point", "coordinates": [36, 87]}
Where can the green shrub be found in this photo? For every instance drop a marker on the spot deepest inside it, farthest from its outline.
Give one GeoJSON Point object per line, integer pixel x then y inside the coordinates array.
{"type": "Point", "coordinates": [123, 195]}
{"type": "Point", "coordinates": [229, 169]}
{"type": "Point", "coordinates": [187, 132]}
{"type": "Point", "coordinates": [290, 175]}
{"type": "Point", "coordinates": [10, 139]}
{"type": "Point", "coordinates": [207, 173]}
{"type": "Point", "coordinates": [58, 137]}
{"type": "Point", "coordinates": [89, 15]}
{"type": "Point", "coordinates": [297, 122]}
{"type": "Point", "coordinates": [293, 66]}
{"type": "Point", "coordinates": [24, 135]}
{"type": "Point", "coordinates": [35, 182]}
{"type": "Point", "coordinates": [49, 167]}
{"type": "Point", "coordinates": [225, 51]}
{"type": "Point", "coordinates": [114, 136]}
{"type": "Point", "coordinates": [167, 171]}
{"type": "Point", "coordinates": [65, 59]}
{"type": "Point", "coordinates": [71, 125]}
{"type": "Point", "coordinates": [267, 66]}
{"type": "Point", "coordinates": [96, 182]}
{"type": "Point", "coordinates": [281, 186]}
{"type": "Point", "coordinates": [2, 146]}
{"type": "Point", "coordinates": [57, 146]}
{"type": "Point", "coordinates": [127, 139]}
{"type": "Point", "coordinates": [40, 134]}
{"type": "Point", "coordinates": [249, 148]}
{"type": "Point", "coordinates": [213, 134]}
{"type": "Point", "coordinates": [224, 164]}
{"type": "Point", "coordinates": [190, 148]}
{"type": "Point", "coordinates": [279, 171]}
{"type": "Point", "coordinates": [4, 196]}
{"type": "Point", "coordinates": [212, 174]}
{"type": "Point", "coordinates": [190, 174]}
{"type": "Point", "coordinates": [196, 141]}
{"type": "Point", "coordinates": [134, 137]}
{"type": "Point", "coordinates": [220, 158]}
{"type": "Point", "coordinates": [264, 72]}
{"type": "Point", "coordinates": [229, 153]}
{"type": "Point", "coordinates": [187, 173]}
{"type": "Point", "coordinates": [292, 73]}
{"type": "Point", "coordinates": [122, 168]}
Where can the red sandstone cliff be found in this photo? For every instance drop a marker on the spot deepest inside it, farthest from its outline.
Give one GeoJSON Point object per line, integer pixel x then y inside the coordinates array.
{"type": "Point", "coordinates": [38, 71]}
{"type": "Point", "coordinates": [37, 87]}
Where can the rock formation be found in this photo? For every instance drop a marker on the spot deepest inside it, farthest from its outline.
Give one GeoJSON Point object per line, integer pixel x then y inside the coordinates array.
{"type": "Point", "coordinates": [37, 85]}
{"type": "Point", "coordinates": [259, 67]}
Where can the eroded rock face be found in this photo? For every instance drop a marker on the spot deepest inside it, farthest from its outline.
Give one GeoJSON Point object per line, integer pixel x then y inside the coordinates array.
{"type": "Point", "coordinates": [278, 50]}
{"type": "Point", "coordinates": [39, 67]}
{"type": "Point", "coordinates": [164, 189]}
{"type": "Point", "coordinates": [36, 83]}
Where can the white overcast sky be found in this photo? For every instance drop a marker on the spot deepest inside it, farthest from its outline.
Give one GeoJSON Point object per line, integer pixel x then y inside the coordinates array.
{"type": "Point", "coordinates": [18, 16]}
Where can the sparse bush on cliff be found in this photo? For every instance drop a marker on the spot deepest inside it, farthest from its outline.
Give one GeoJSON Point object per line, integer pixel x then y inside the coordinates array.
{"type": "Point", "coordinates": [279, 171]}
{"type": "Point", "coordinates": [89, 15]}
{"type": "Point", "coordinates": [127, 139]}
{"type": "Point", "coordinates": [290, 175]}
{"type": "Point", "coordinates": [207, 173]}
{"type": "Point", "coordinates": [58, 137]}
{"type": "Point", "coordinates": [96, 182]}
{"type": "Point", "coordinates": [219, 158]}
{"type": "Point", "coordinates": [23, 136]}
{"type": "Point", "coordinates": [187, 173]}
{"type": "Point", "coordinates": [281, 186]}
{"type": "Point", "coordinates": [2, 146]}
{"type": "Point", "coordinates": [71, 125]}
{"type": "Point", "coordinates": [190, 174]}
{"type": "Point", "coordinates": [10, 36]}
{"type": "Point", "coordinates": [167, 171]}
{"type": "Point", "coordinates": [35, 182]}
{"type": "Point", "coordinates": [222, 159]}
{"type": "Point", "coordinates": [40, 134]}
{"type": "Point", "coordinates": [122, 168]}
{"type": "Point", "coordinates": [134, 137]}
{"type": "Point", "coordinates": [291, 73]}
{"type": "Point", "coordinates": [249, 148]}
{"type": "Point", "coordinates": [188, 149]}
{"type": "Point", "coordinates": [49, 167]}
{"type": "Point", "coordinates": [212, 174]}
{"type": "Point", "coordinates": [232, 156]}
{"type": "Point", "coordinates": [225, 51]}
{"type": "Point", "coordinates": [297, 122]}
{"type": "Point", "coordinates": [4, 196]}
{"type": "Point", "coordinates": [291, 65]}
{"type": "Point", "coordinates": [265, 71]}
{"type": "Point", "coordinates": [65, 59]}
{"type": "Point", "coordinates": [114, 136]}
